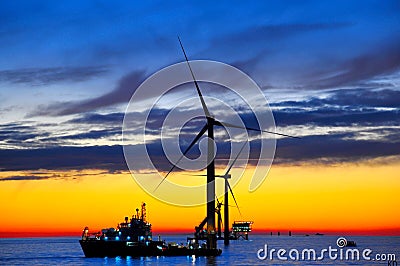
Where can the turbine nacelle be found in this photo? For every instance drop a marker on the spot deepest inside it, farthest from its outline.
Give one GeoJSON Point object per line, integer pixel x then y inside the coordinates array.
{"type": "Point", "coordinates": [228, 176]}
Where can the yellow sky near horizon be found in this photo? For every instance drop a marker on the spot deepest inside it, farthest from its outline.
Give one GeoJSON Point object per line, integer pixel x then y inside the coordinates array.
{"type": "Point", "coordinates": [341, 197]}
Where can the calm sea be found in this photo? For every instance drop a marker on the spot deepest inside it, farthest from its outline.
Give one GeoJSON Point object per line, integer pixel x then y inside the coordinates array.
{"type": "Point", "coordinates": [67, 251]}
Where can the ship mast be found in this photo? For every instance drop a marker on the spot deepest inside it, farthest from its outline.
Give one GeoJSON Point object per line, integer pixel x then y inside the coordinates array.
{"type": "Point", "coordinates": [143, 212]}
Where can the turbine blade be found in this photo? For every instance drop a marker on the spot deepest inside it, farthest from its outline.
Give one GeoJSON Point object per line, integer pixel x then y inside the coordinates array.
{"type": "Point", "coordinates": [203, 103]}
{"type": "Point", "coordinates": [230, 189]}
{"type": "Point", "coordinates": [237, 156]}
{"type": "Point", "coordinates": [221, 176]}
{"type": "Point", "coordinates": [202, 131]}
{"type": "Point", "coordinates": [225, 124]}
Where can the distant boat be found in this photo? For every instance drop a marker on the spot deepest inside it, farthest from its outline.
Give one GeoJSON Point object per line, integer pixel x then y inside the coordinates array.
{"type": "Point", "coordinates": [319, 234]}
{"type": "Point", "coordinates": [351, 243]}
{"type": "Point", "coordinates": [134, 238]}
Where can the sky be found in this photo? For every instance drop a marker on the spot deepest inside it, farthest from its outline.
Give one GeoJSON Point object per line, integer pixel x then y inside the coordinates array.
{"type": "Point", "coordinates": [329, 70]}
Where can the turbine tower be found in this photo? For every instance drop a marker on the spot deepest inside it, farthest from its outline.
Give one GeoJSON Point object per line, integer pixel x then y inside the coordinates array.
{"type": "Point", "coordinates": [228, 189]}
{"type": "Point", "coordinates": [227, 176]}
{"type": "Point", "coordinates": [209, 128]}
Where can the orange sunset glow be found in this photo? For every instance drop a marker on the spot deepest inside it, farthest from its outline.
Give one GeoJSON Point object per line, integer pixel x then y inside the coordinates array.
{"type": "Point", "coordinates": [347, 198]}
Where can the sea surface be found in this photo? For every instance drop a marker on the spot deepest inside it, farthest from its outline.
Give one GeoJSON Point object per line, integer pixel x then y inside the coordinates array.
{"type": "Point", "coordinates": [67, 251]}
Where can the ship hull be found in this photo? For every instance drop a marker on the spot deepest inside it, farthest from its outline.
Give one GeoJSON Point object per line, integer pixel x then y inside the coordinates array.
{"type": "Point", "coordinates": [101, 248]}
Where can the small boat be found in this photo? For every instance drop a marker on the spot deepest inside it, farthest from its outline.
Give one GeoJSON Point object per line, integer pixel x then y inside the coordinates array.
{"type": "Point", "coordinates": [351, 243]}
{"type": "Point", "coordinates": [133, 237]}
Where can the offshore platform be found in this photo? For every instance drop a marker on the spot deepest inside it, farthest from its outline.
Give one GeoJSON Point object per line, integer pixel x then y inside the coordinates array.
{"type": "Point", "coordinates": [241, 229]}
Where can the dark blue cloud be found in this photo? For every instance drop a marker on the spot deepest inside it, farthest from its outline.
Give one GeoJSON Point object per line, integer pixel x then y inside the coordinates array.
{"type": "Point", "coordinates": [336, 117]}
{"type": "Point", "coordinates": [365, 97]}
{"type": "Point", "coordinates": [27, 177]}
{"type": "Point", "coordinates": [56, 158]}
{"type": "Point", "coordinates": [120, 94]}
{"type": "Point", "coordinates": [95, 118]}
{"type": "Point", "coordinates": [352, 98]}
{"type": "Point", "coordinates": [336, 148]}
{"type": "Point", "coordinates": [342, 108]}
{"type": "Point", "coordinates": [341, 147]}
{"type": "Point", "coordinates": [46, 76]}
{"type": "Point", "coordinates": [92, 135]}
{"type": "Point", "coordinates": [18, 133]}
{"type": "Point", "coordinates": [384, 59]}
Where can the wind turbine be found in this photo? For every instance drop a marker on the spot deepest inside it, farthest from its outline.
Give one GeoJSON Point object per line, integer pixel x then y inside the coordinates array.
{"type": "Point", "coordinates": [228, 189]}
{"type": "Point", "coordinates": [209, 128]}
{"type": "Point", "coordinates": [227, 176]}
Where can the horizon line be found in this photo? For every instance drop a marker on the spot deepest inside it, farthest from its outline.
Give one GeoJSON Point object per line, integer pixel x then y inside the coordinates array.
{"type": "Point", "coordinates": [267, 232]}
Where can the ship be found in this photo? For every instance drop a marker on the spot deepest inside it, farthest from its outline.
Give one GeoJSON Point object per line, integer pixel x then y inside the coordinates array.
{"type": "Point", "coordinates": [133, 237]}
